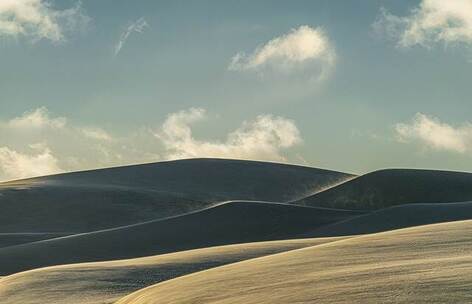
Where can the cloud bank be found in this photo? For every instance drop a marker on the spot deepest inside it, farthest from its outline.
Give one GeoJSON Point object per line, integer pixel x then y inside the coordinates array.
{"type": "Point", "coordinates": [433, 133]}
{"type": "Point", "coordinates": [432, 22]}
{"type": "Point", "coordinates": [65, 146]}
{"type": "Point", "coordinates": [136, 27]}
{"type": "Point", "coordinates": [301, 48]}
{"type": "Point", "coordinates": [38, 19]}
{"type": "Point", "coordinates": [21, 156]}
{"type": "Point", "coordinates": [16, 165]}
{"type": "Point", "coordinates": [261, 139]}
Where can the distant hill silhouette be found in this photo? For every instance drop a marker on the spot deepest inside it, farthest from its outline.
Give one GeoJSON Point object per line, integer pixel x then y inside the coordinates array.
{"type": "Point", "coordinates": [386, 188]}
{"type": "Point", "coordinates": [397, 217]}
{"type": "Point", "coordinates": [105, 198]}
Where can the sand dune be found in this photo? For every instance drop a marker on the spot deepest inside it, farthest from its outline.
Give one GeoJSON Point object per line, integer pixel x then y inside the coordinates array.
{"type": "Point", "coordinates": [99, 199]}
{"type": "Point", "coordinates": [11, 239]}
{"type": "Point", "coordinates": [106, 282]}
{"type": "Point", "coordinates": [385, 188]}
{"type": "Point", "coordinates": [228, 223]}
{"type": "Point", "coordinates": [397, 217]}
{"type": "Point", "coordinates": [427, 264]}
{"type": "Point", "coordinates": [173, 209]}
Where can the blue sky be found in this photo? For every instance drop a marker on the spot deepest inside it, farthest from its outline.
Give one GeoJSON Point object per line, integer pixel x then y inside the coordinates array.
{"type": "Point", "coordinates": [351, 86]}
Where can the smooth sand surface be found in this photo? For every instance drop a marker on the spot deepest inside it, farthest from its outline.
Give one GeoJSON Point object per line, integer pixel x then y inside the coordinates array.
{"type": "Point", "coordinates": [106, 198]}
{"type": "Point", "coordinates": [106, 282]}
{"type": "Point", "coordinates": [11, 239]}
{"type": "Point", "coordinates": [397, 217]}
{"type": "Point", "coordinates": [426, 264]}
{"type": "Point", "coordinates": [228, 223]}
{"type": "Point", "coordinates": [385, 188]}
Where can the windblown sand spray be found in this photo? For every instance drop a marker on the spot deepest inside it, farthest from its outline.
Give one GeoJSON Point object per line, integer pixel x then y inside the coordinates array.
{"type": "Point", "coordinates": [316, 188]}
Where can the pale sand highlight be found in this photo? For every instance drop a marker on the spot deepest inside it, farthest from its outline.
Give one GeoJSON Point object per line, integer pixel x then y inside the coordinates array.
{"type": "Point", "coordinates": [106, 282]}
{"type": "Point", "coordinates": [427, 264]}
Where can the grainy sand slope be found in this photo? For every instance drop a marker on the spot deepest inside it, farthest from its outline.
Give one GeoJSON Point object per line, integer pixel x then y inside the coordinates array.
{"type": "Point", "coordinates": [106, 282]}
{"type": "Point", "coordinates": [427, 264]}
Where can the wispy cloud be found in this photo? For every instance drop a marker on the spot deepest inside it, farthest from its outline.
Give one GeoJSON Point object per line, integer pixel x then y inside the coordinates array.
{"type": "Point", "coordinates": [96, 133]}
{"type": "Point", "coordinates": [38, 118]}
{"type": "Point", "coordinates": [300, 49]}
{"type": "Point", "coordinates": [38, 19]}
{"type": "Point", "coordinates": [263, 138]}
{"type": "Point", "coordinates": [432, 22]}
{"type": "Point", "coordinates": [136, 27]}
{"type": "Point", "coordinates": [433, 133]}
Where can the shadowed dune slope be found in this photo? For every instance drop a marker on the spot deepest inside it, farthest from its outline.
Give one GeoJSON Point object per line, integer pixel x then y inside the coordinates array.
{"type": "Point", "coordinates": [426, 264]}
{"type": "Point", "coordinates": [106, 282]}
{"type": "Point", "coordinates": [228, 223]}
{"type": "Point", "coordinates": [106, 198]}
{"type": "Point", "coordinates": [397, 217]}
{"type": "Point", "coordinates": [11, 239]}
{"type": "Point", "coordinates": [385, 188]}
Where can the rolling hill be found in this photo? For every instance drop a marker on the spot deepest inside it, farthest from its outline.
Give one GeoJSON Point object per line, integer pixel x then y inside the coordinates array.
{"type": "Point", "coordinates": [426, 264]}
{"type": "Point", "coordinates": [196, 231]}
{"type": "Point", "coordinates": [106, 198]}
{"type": "Point", "coordinates": [106, 282]}
{"type": "Point", "coordinates": [384, 188]}
{"type": "Point", "coordinates": [227, 223]}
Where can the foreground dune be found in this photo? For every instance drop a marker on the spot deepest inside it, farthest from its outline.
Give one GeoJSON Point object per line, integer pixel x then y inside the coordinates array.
{"type": "Point", "coordinates": [427, 264]}
{"type": "Point", "coordinates": [228, 223]}
{"type": "Point", "coordinates": [106, 282]}
{"type": "Point", "coordinates": [384, 188]}
{"type": "Point", "coordinates": [397, 217]}
{"type": "Point", "coordinates": [106, 198]}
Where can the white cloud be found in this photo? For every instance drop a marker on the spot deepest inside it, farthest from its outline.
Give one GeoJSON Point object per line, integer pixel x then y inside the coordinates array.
{"type": "Point", "coordinates": [38, 118]}
{"type": "Point", "coordinates": [261, 139]}
{"type": "Point", "coordinates": [433, 21]}
{"type": "Point", "coordinates": [138, 27]}
{"type": "Point", "coordinates": [96, 133]}
{"type": "Point", "coordinates": [16, 165]}
{"type": "Point", "coordinates": [38, 19]}
{"type": "Point", "coordinates": [304, 47]}
{"type": "Point", "coordinates": [435, 134]}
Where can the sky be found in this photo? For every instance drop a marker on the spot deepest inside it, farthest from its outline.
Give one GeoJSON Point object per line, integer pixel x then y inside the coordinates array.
{"type": "Point", "coordinates": [353, 86]}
